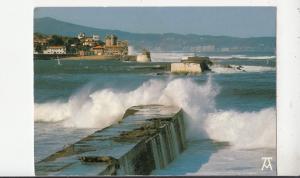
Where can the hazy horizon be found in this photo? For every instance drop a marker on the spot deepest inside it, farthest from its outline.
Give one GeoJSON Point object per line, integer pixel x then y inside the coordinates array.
{"type": "Point", "coordinates": [241, 22]}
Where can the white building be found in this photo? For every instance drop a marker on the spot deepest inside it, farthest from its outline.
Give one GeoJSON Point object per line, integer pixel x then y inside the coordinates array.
{"type": "Point", "coordinates": [81, 35]}
{"type": "Point", "coordinates": [55, 50]}
{"type": "Point", "coordinates": [96, 37]}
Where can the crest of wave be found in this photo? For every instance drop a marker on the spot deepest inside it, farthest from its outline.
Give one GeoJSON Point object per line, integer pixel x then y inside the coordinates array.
{"type": "Point", "coordinates": [104, 107]}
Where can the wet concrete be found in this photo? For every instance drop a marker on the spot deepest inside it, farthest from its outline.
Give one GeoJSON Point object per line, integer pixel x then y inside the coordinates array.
{"type": "Point", "coordinates": [148, 137]}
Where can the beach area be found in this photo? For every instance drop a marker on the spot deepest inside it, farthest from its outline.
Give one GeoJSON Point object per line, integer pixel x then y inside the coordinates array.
{"type": "Point", "coordinates": [94, 57]}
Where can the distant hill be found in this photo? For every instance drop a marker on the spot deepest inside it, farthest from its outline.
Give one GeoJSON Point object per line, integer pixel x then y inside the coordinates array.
{"type": "Point", "coordinates": [160, 42]}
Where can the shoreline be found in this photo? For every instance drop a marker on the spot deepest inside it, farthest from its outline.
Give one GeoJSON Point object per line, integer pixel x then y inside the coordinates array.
{"type": "Point", "coordinates": [92, 57]}
{"type": "Point", "coordinates": [96, 57]}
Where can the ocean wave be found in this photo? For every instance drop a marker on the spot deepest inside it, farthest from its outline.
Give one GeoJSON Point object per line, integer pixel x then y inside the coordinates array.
{"type": "Point", "coordinates": [243, 129]}
{"type": "Point", "coordinates": [169, 57]}
{"type": "Point", "coordinates": [237, 68]}
{"type": "Point", "coordinates": [177, 56]}
{"type": "Point", "coordinates": [102, 108]}
{"type": "Point", "coordinates": [243, 57]}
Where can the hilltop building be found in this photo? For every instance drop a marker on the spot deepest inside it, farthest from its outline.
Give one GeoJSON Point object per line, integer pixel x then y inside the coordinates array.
{"type": "Point", "coordinates": [40, 41]}
{"type": "Point", "coordinates": [81, 35]}
{"type": "Point", "coordinates": [89, 41]}
{"type": "Point", "coordinates": [81, 45]}
{"type": "Point", "coordinates": [112, 47]}
{"type": "Point", "coordinates": [96, 37]}
{"type": "Point", "coordinates": [98, 50]}
{"type": "Point", "coordinates": [111, 40]}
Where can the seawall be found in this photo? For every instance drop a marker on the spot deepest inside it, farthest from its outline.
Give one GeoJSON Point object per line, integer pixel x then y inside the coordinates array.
{"type": "Point", "coordinates": [148, 137]}
{"type": "Point", "coordinates": [186, 68]}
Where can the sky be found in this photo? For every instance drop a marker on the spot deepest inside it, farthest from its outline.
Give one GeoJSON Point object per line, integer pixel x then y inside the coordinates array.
{"type": "Point", "coordinates": [227, 21]}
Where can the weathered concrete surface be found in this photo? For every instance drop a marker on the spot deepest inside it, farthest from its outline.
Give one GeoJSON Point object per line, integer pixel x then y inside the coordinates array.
{"type": "Point", "coordinates": [147, 138]}
{"type": "Point", "coordinates": [192, 65]}
{"type": "Point", "coordinates": [143, 58]}
{"type": "Point", "coordinates": [186, 68]}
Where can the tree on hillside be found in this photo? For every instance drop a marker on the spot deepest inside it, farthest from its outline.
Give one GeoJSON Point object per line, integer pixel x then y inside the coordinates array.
{"type": "Point", "coordinates": [38, 48]}
{"type": "Point", "coordinates": [56, 41]}
{"type": "Point", "coordinates": [39, 35]}
{"type": "Point", "coordinates": [75, 41]}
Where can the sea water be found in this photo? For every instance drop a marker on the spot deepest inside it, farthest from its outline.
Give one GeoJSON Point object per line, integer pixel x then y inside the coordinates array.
{"type": "Point", "coordinates": [231, 114]}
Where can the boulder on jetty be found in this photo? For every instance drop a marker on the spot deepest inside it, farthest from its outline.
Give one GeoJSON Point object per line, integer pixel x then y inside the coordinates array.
{"type": "Point", "coordinates": [148, 137]}
{"type": "Point", "coordinates": [144, 57]}
{"type": "Point", "coordinates": [192, 65]}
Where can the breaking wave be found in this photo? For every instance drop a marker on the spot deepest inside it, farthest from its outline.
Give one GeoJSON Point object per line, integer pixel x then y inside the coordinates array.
{"type": "Point", "coordinates": [242, 57]}
{"type": "Point", "coordinates": [243, 130]}
{"type": "Point", "coordinates": [237, 69]}
{"type": "Point", "coordinates": [102, 108]}
{"type": "Point", "coordinates": [170, 57]}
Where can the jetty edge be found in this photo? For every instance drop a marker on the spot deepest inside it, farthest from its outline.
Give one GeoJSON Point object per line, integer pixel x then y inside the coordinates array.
{"type": "Point", "coordinates": [194, 65]}
{"type": "Point", "coordinates": [148, 137]}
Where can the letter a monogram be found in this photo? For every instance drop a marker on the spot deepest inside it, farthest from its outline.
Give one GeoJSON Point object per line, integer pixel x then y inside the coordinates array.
{"type": "Point", "coordinates": [267, 163]}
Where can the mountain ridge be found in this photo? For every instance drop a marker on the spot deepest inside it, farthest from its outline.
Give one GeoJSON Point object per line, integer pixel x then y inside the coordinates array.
{"type": "Point", "coordinates": [157, 41]}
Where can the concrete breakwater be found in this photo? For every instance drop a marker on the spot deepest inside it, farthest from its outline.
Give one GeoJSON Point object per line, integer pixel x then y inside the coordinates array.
{"type": "Point", "coordinates": [185, 68]}
{"type": "Point", "coordinates": [148, 137]}
{"type": "Point", "coordinates": [192, 65]}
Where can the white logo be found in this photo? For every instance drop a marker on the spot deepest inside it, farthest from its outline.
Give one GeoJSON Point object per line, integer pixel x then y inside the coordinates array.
{"type": "Point", "coordinates": [267, 163]}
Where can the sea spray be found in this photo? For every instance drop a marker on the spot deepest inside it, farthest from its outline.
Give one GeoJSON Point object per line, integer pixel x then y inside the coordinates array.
{"type": "Point", "coordinates": [105, 107]}
{"type": "Point", "coordinates": [98, 109]}
{"type": "Point", "coordinates": [221, 69]}
{"type": "Point", "coordinates": [101, 108]}
{"type": "Point", "coordinates": [51, 111]}
{"type": "Point", "coordinates": [131, 50]}
{"type": "Point", "coordinates": [195, 100]}
{"type": "Point", "coordinates": [243, 57]}
{"type": "Point", "coordinates": [169, 57]}
{"type": "Point", "coordinates": [243, 130]}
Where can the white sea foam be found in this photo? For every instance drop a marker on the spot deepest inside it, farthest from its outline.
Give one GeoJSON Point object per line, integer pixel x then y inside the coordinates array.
{"type": "Point", "coordinates": [243, 130]}
{"type": "Point", "coordinates": [51, 111]}
{"type": "Point", "coordinates": [169, 57]}
{"type": "Point", "coordinates": [242, 57]}
{"type": "Point", "coordinates": [104, 107]}
{"type": "Point", "coordinates": [131, 50]}
{"type": "Point", "coordinates": [177, 56]}
{"type": "Point", "coordinates": [237, 69]}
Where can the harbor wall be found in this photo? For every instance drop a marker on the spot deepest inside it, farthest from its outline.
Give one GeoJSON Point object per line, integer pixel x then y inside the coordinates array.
{"type": "Point", "coordinates": [186, 68]}
{"type": "Point", "coordinates": [148, 137]}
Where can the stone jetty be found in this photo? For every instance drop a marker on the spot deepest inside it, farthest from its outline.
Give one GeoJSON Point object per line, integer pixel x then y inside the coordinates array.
{"type": "Point", "coordinates": [192, 65]}
{"type": "Point", "coordinates": [148, 137]}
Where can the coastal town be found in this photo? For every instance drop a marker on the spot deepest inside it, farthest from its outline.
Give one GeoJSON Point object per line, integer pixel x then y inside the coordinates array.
{"type": "Point", "coordinates": [81, 45]}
